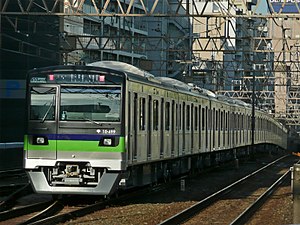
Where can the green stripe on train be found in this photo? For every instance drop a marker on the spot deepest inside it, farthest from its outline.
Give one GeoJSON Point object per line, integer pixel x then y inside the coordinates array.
{"type": "Point", "coordinates": [75, 145]}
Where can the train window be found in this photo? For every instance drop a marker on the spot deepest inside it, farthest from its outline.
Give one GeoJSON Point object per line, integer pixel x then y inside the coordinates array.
{"type": "Point", "coordinates": [90, 103]}
{"type": "Point", "coordinates": [200, 136]}
{"type": "Point", "coordinates": [188, 115]}
{"type": "Point", "coordinates": [203, 118]}
{"type": "Point", "coordinates": [196, 118]}
{"type": "Point", "coordinates": [192, 126]}
{"type": "Point", "coordinates": [226, 121]}
{"type": "Point", "coordinates": [149, 126]}
{"type": "Point", "coordinates": [42, 103]}
{"type": "Point", "coordinates": [183, 117]}
{"type": "Point", "coordinates": [250, 122]}
{"type": "Point", "coordinates": [221, 119]}
{"type": "Point", "coordinates": [206, 127]}
{"type": "Point", "coordinates": [162, 114]}
{"type": "Point", "coordinates": [217, 120]}
{"type": "Point", "coordinates": [242, 121]}
{"type": "Point", "coordinates": [167, 116]}
{"type": "Point", "coordinates": [173, 115]}
{"type": "Point", "coordinates": [208, 119]}
{"type": "Point", "coordinates": [179, 117]}
{"type": "Point", "coordinates": [142, 108]}
{"type": "Point", "coordinates": [220, 127]}
{"type": "Point", "coordinates": [193, 115]}
{"type": "Point", "coordinates": [155, 115]}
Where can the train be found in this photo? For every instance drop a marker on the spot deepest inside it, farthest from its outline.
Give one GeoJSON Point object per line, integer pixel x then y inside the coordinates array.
{"type": "Point", "coordinates": [107, 126]}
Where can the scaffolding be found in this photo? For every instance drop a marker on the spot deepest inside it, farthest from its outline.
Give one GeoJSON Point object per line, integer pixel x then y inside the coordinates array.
{"type": "Point", "coordinates": [226, 46]}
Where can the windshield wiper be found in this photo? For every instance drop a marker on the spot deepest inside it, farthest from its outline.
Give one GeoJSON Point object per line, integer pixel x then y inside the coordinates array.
{"type": "Point", "coordinates": [92, 121]}
{"type": "Point", "coordinates": [48, 110]}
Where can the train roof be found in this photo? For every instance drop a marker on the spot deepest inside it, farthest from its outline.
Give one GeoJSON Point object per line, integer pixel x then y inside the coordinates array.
{"type": "Point", "coordinates": [134, 72]}
{"type": "Point", "coordinates": [174, 83]}
{"type": "Point", "coordinates": [121, 66]}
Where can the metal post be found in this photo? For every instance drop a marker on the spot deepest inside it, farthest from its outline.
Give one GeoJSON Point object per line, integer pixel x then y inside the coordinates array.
{"type": "Point", "coordinates": [253, 113]}
{"type": "Point", "coordinates": [296, 193]}
{"type": "Point", "coordinates": [182, 184]}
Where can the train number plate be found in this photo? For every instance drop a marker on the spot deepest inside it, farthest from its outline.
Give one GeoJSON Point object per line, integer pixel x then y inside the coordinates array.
{"type": "Point", "coordinates": [106, 131]}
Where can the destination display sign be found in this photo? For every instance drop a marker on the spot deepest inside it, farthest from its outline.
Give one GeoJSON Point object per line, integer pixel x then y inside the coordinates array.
{"type": "Point", "coordinates": [75, 78]}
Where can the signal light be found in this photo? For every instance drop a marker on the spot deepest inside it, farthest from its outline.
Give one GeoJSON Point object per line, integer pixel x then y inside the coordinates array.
{"type": "Point", "coordinates": [102, 78]}
{"type": "Point", "coordinates": [51, 77]}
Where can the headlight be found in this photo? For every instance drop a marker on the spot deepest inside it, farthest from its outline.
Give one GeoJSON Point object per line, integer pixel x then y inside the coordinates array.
{"type": "Point", "coordinates": [107, 141]}
{"type": "Point", "coordinates": [40, 140]}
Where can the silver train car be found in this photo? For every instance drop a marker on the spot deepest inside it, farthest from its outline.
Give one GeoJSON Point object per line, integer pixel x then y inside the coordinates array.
{"type": "Point", "coordinates": [106, 126]}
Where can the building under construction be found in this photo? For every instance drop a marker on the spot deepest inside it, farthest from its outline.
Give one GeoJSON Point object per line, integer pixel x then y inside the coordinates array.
{"type": "Point", "coordinates": [232, 48]}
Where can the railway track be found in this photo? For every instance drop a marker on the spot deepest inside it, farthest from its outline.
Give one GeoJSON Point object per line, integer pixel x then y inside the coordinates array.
{"type": "Point", "coordinates": [237, 202]}
{"type": "Point", "coordinates": [63, 210]}
{"type": "Point", "coordinates": [10, 182]}
{"type": "Point", "coordinates": [48, 212]}
{"type": "Point", "coordinates": [255, 206]}
{"type": "Point", "coordinates": [10, 200]}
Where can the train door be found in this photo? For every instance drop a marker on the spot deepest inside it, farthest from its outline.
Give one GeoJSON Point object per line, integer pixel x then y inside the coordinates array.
{"type": "Point", "coordinates": [206, 128]}
{"type": "Point", "coordinates": [155, 133]}
{"type": "Point", "coordinates": [134, 126]}
{"type": "Point", "coordinates": [179, 127]}
{"type": "Point", "coordinates": [142, 131]}
{"type": "Point", "coordinates": [173, 127]}
{"type": "Point", "coordinates": [149, 127]}
{"type": "Point", "coordinates": [132, 113]}
{"type": "Point", "coordinates": [183, 127]}
{"type": "Point", "coordinates": [167, 130]}
{"type": "Point", "coordinates": [162, 125]}
{"type": "Point", "coordinates": [42, 125]}
{"type": "Point", "coordinates": [129, 128]}
{"type": "Point", "coordinates": [192, 128]}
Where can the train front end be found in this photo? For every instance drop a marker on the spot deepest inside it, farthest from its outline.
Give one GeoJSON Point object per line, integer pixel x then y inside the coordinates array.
{"type": "Point", "coordinates": [75, 141]}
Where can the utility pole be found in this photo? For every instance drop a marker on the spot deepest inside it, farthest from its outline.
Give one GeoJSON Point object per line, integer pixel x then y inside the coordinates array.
{"type": "Point", "coordinates": [253, 113]}
{"type": "Point", "coordinates": [252, 69]}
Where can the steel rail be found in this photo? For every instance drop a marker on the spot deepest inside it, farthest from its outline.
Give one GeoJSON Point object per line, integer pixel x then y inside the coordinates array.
{"type": "Point", "coordinates": [63, 217]}
{"type": "Point", "coordinates": [71, 215]}
{"type": "Point", "coordinates": [246, 215]}
{"type": "Point", "coordinates": [196, 208]}
{"type": "Point", "coordinates": [21, 211]}
{"type": "Point", "coordinates": [6, 204]}
{"type": "Point", "coordinates": [51, 210]}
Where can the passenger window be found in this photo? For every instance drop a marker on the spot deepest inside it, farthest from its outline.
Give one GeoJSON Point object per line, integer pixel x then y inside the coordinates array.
{"type": "Point", "coordinates": [188, 117]}
{"type": "Point", "coordinates": [167, 116]}
{"type": "Point", "coordinates": [196, 118]}
{"type": "Point", "coordinates": [142, 119]}
{"type": "Point", "coordinates": [155, 115]}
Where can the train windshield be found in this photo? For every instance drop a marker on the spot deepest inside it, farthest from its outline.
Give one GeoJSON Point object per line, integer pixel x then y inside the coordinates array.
{"type": "Point", "coordinates": [90, 104]}
{"type": "Point", "coordinates": [42, 103]}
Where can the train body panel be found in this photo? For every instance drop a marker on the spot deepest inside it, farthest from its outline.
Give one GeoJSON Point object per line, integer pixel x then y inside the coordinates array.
{"type": "Point", "coordinates": [93, 129]}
